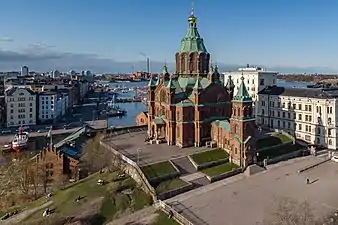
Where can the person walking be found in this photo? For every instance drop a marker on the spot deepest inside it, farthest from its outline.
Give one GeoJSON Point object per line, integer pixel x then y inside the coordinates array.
{"type": "Point", "coordinates": [307, 180]}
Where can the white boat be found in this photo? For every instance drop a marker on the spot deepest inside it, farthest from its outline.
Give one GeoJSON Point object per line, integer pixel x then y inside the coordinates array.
{"type": "Point", "coordinates": [20, 140]}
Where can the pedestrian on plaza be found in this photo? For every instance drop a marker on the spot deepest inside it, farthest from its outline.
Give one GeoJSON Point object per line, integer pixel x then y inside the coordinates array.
{"type": "Point", "coordinates": [307, 180]}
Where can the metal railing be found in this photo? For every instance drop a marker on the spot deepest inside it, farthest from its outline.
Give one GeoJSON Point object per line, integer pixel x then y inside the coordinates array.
{"type": "Point", "coordinates": [168, 209]}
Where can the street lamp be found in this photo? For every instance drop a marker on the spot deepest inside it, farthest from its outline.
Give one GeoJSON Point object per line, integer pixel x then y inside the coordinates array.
{"type": "Point", "coordinates": [139, 150]}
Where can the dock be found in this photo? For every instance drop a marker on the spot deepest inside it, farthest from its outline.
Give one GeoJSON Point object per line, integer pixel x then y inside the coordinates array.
{"type": "Point", "coordinates": [127, 100]}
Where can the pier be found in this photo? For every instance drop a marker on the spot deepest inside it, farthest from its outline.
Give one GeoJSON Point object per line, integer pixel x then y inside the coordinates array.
{"type": "Point", "coordinates": [126, 100]}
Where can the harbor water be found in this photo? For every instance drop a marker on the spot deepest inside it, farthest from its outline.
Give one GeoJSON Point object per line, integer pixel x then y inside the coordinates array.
{"type": "Point", "coordinates": [134, 108]}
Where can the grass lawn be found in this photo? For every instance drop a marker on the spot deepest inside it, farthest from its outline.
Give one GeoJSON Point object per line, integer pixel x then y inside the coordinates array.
{"type": "Point", "coordinates": [169, 185]}
{"type": "Point", "coordinates": [273, 139]}
{"type": "Point", "coordinates": [162, 219]}
{"type": "Point", "coordinates": [104, 201]}
{"type": "Point", "coordinates": [222, 168]}
{"type": "Point", "coordinates": [158, 169]}
{"type": "Point", "coordinates": [275, 152]}
{"type": "Point", "coordinates": [209, 156]}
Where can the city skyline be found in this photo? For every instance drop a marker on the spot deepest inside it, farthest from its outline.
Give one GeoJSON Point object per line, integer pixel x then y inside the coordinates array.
{"type": "Point", "coordinates": [110, 36]}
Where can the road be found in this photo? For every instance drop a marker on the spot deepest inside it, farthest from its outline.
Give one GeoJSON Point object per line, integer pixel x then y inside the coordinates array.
{"type": "Point", "coordinates": [8, 138]}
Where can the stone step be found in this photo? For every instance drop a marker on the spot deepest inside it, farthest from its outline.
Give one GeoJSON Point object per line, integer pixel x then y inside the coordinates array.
{"type": "Point", "coordinates": [184, 165]}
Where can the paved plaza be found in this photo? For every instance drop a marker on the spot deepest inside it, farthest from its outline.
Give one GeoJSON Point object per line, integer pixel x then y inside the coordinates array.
{"type": "Point", "coordinates": [241, 200]}
{"type": "Point", "coordinates": [129, 143]}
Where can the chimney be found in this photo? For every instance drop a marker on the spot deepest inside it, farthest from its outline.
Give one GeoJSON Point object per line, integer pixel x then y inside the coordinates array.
{"type": "Point", "coordinates": [148, 65]}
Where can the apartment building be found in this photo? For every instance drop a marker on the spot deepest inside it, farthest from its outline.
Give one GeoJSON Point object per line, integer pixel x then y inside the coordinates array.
{"type": "Point", "coordinates": [255, 79]}
{"type": "Point", "coordinates": [51, 106]}
{"type": "Point", "coordinates": [21, 106]}
{"type": "Point", "coordinates": [307, 113]}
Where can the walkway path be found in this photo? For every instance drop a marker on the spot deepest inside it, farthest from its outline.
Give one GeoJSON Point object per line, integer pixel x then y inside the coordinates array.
{"type": "Point", "coordinates": [22, 215]}
{"type": "Point", "coordinates": [142, 217]}
{"type": "Point", "coordinates": [184, 165]}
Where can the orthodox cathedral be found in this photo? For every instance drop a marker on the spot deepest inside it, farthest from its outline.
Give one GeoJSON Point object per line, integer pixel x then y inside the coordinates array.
{"type": "Point", "coordinates": [193, 107]}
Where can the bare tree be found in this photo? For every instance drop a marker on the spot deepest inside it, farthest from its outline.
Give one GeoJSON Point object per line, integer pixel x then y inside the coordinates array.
{"type": "Point", "coordinates": [94, 156]}
{"type": "Point", "coordinates": [288, 211]}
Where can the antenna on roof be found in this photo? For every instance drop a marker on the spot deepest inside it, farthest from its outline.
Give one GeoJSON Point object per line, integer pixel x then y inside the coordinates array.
{"type": "Point", "coordinates": [192, 7]}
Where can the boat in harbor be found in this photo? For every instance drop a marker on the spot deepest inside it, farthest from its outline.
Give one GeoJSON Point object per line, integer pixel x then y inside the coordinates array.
{"type": "Point", "coordinates": [20, 140]}
{"type": "Point", "coordinates": [114, 110]}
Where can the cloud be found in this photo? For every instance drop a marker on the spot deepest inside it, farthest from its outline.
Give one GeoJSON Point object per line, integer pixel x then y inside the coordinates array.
{"type": "Point", "coordinates": [6, 39]}
{"type": "Point", "coordinates": [42, 57]}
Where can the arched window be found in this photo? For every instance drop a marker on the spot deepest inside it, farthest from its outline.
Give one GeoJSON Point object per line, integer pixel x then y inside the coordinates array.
{"type": "Point", "coordinates": [163, 95]}
{"type": "Point", "coordinates": [236, 129]}
{"type": "Point", "coordinates": [330, 142]}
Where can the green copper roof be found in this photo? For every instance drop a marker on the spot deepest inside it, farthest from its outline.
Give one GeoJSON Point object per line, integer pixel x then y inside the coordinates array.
{"type": "Point", "coordinates": [223, 124]}
{"type": "Point", "coordinates": [230, 84]}
{"type": "Point", "coordinates": [198, 84]}
{"type": "Point", "coordinates": [185, 103]}
{"type": "Point", "coordinates": [158, 80]}
{"type": "Point", "coordinates": [165, 69]}
{"type": "Point", "coordinates": [151, 83]}
{"type": "Point", "coordinates": [192, 42]}
{"type": "Point", "coordinates": [170, 84]}
{"type": "Point", "coordinates": [242, 93]}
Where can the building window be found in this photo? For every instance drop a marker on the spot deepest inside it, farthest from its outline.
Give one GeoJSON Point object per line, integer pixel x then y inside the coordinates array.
{"type": "Point", "coordinates": [330, 142]}
{"type": "Point", "coordinates": [299, 116]}
{"type": "Point", "coordinates": [300, 106]}
{"type": "Point", "coordinates": [318, 130]}
{"type": "Point", "coordinates": [299, 126]}
{"type": "Point", "coordinates": [283, 105]}
{"type": "Point", "coordinates": [261, 82]}
{"type": "Point", "coordinates": [318, 141]}
{"type": "Point", "coordinates": [329, 121]}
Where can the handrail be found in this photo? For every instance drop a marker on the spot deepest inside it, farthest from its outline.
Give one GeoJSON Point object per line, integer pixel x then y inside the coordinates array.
{"type": "Point", "coordinates": [177, 216]}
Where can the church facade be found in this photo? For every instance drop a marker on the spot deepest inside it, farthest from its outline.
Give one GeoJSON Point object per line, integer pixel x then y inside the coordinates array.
{"type": "Point", "coordinates": [193, 107]}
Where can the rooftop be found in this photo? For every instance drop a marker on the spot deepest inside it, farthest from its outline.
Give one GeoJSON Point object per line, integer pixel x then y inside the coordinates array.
{"type": "Point", "coordinates": [320, 93]}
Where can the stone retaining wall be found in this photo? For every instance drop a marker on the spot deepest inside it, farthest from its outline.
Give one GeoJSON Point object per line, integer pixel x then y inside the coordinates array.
{"type": "Point", "coordinates": [115, 131]}
{"type": "Point", "coordinates": [207, 164]}
{"type": "Point", "coordinates": [225, 175]}
{"type": "Point", "coordinates": [129, 167]}
{"type": "Point", "coordinates": [287, 156]}
{"type": "Point", "coordinates": [176, 191]}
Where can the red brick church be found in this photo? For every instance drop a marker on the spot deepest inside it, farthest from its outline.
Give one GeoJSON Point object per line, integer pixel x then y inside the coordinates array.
{"type": "Point", "coordinates": [193, 107]}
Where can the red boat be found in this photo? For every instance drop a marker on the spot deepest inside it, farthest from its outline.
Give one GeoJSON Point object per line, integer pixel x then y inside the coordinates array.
{"type": "Point", "coordinates": [20, 140]}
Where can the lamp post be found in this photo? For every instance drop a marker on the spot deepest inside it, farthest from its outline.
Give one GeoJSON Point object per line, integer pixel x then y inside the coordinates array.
{"type": "Point", "coordinates": [139, 150]}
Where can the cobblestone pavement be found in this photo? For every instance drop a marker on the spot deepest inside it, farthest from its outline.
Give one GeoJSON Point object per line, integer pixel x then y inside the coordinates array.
{"type": "Point", "coordinates": [228, 200]}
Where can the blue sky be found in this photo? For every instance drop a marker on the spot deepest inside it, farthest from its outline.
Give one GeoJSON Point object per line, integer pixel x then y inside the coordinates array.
{"type": "Point", "coordinates": [267, 32]}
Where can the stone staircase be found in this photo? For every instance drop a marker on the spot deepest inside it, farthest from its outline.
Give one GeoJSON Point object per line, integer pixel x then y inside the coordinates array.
{"type": "Point", "coordinates": [184, 165]}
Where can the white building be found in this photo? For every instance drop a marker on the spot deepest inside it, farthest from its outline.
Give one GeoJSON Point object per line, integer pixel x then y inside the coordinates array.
{"type": "Point", "coordinates": [255, 79]}
{"type": "Point", "coordinates": [308, 113]}
{"type": "Point", "coordinates": [24, 71]}
{"type": "Point", "coordinates": [51, 106]}
{"type": "Point", "coordinates": [21, 107]}
{"type": "Point", "coordinates": [55, 74]}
